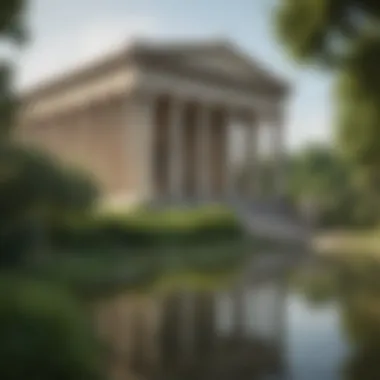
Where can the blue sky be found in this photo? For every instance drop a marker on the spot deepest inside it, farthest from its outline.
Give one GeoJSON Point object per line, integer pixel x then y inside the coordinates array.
{"type": "Point", "coordinates": [65, 32]}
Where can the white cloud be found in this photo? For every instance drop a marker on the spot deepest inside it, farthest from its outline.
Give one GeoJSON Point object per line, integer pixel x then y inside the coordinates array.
{"type": "Point", "coordinates": [71, 48]}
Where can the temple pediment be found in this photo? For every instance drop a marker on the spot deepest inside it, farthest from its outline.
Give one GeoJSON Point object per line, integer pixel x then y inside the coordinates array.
{"type": "Point", "coordinates": [223, 63]}
{"type": "Point", "coordinates": [218, 57]}
{"type": "Point", "coordinates": [223, 58]}
{"type": "Point", "coordinates": [116, 74]}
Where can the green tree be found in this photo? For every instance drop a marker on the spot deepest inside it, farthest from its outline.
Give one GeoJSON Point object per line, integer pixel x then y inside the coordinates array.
{"type": "Point", "coordinates": [322, 32]}
{"type": "Point", "coordinates": [319, 173]}
{"type": "Point", "coordinates": [12, 31]}
{"type": "Point", "coordinates": [359, 112]}
{"type": "Point", "coordinates": [343, 35]}
{"type": "Point", "coordinates": [43, 333]}
{"type": "Point", "coordinates": [33, 185]}
{"type": "Point", "coordinates": [34, 190]}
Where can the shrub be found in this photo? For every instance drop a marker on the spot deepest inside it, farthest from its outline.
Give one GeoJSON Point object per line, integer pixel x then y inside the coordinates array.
{"type": "Point", "coordinates": [44, 334]}
{"type": "Point", "coordinates": [148, 228]}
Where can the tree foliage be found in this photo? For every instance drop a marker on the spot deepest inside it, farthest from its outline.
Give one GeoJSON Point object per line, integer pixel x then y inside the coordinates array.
{"type": "Point", "coordinates": [344, 35]}
{"type": "Point", "coordinates": [359, 111]}
{"type": "Point", "coordinates": [322, 31]}
{"type": "Point", "coordinates": [34, 189]}
{"type": "Point", "coordinates": [319, 173]}
{"type": "Point", "coordinates": [31, 180]}
{"type": "Point", "coordinates": [33, 185]}
{"type": "Point", "coordinates": [12, 32]}
{"type": "Point", "coordinates": [12, 26]}
{"type": "Point", "coordinates": [7, 101]}
{"type": "Point", "coordinates": [44, 334]}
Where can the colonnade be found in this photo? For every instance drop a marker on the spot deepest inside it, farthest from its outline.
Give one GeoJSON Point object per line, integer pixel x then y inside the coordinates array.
{"type": "Point", "coordinates": [192, 155]}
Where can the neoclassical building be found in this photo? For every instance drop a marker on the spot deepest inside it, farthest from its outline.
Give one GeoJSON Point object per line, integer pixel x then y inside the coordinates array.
{"type": "Point", "coordinates": [155, 120]}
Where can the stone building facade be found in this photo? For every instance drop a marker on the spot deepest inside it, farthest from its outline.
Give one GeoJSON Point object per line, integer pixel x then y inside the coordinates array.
{"type": "Point", "coordinates": [154, 121]}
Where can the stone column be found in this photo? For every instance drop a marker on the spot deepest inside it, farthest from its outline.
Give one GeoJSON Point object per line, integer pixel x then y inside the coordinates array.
{"type": "Point", "coordinates": [277, 129]}
{"type": "Point", "coordinates": [203, 152]}
{"type": "Point", "coordinates": [229, 186]}
{"type": "Point", "coordinates": [85, 130]}
{"type": "Point", "coordinates": [140, 136]}
{"type": "Point", "coordinates": [176, 148]}
{"type": "Point", "coordinates": [252, 163]}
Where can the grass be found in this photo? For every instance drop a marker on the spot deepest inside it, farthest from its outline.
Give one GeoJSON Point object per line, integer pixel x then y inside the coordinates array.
{"type": "Point", "coordinates": [348, 243]}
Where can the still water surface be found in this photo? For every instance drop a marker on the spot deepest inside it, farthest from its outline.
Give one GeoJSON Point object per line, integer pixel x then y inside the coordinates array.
{"type": "Point", "coordinates": [316, 345]}
{"type": "Point", "coordinates": [333, 324]}
{"type": "Point", "coordinates": [331, 328]}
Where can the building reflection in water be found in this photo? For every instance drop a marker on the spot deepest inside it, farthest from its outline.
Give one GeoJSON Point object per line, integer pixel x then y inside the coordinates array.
{"type": "Point", "coordinates": [235, 333]}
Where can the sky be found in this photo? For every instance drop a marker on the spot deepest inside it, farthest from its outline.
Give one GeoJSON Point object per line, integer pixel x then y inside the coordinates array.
{"type": "Point", "coordinates": [67, 32]}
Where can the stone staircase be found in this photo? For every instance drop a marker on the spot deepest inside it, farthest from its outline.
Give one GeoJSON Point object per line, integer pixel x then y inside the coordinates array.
{"type": "Point", "coordinates": [270, 218]}
{"type": "Point", "coordinates": [273, 219]}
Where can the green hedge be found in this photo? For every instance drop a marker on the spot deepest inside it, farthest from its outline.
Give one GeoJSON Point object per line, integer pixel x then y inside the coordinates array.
{"type": "Point", "coordinates": [147, 228]}
{"type": "Point", "coordinates": [45, 333]}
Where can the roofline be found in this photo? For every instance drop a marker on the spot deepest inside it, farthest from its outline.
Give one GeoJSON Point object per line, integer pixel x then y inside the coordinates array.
{"type": "Point", "coordinates": [130, 52]}
{"type": "Point", "coordinates": [80, 72]}
{"type": "Point", "coordinates": [126, 52]}
{"type": "Point", "coordinates": [284, 84]}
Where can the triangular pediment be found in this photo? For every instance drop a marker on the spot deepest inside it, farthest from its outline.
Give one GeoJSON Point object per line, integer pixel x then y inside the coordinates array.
{"type": "Point", "coordinates": [222, 60]}
{"type": "Point", "coordinates": [218, 56]}
{"type": "Point", "coordinates": [226, 59]}
{"type": "Point", "coordinates": [223, 65]}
